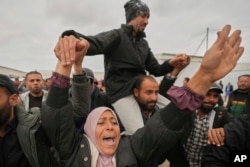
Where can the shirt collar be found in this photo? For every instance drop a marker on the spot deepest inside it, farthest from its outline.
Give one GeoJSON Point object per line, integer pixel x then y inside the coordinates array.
{"type": "Point", "coordinates": [129, 30]}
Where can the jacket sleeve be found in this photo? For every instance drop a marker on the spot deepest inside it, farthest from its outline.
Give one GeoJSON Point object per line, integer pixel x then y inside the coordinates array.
{"type": "Point", "coordinates": [153, 66]}
{"type": "Point", "coordinates": [227, 118]}
{"type": "Point", "coordinates": [166, 128]}
{"type": "Point", "coordinates": [165, 85]}
{"type": "Point", "coordinates": [161, 133]}
{"type": "Point", "coordinates": [58, 121]}
{"type": "Point", "coordinates": [80, 101]}
{"type": "Point", "coordinates": [100, 43]}
{"type": "Point", "coordinates": [236, 140]}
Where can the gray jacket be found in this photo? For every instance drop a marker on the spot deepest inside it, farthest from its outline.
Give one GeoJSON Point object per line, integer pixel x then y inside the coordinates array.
{"type": "Point", "coordinates": [24, 99]}
{"type": "Point", "coordinates": [33, 140]}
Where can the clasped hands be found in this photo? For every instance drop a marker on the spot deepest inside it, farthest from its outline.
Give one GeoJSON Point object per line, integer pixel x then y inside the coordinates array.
{"type": "Point", "coordinates": [71, 50]}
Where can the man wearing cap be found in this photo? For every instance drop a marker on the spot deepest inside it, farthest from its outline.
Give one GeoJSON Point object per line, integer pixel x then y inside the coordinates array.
{"type": "Point", "coordinates": [126, 56]}
{"type": "Point", "coordinates": [98, 98]}
{"type": "Point", "coordinates": [208, 116]}
{"type": "Point", "coordinates": [22, 140]}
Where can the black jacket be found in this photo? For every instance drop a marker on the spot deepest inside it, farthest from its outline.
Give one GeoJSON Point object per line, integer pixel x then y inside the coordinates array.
{"type": "Point", "coordinates": [159, 134]}
{"type": "Point", "coordinates": [177, 156]}
{"type": "Point", "coordinates": [237, 141]}
{"type": "Point", "coordinates": [221, 118]}
{"type": "Point", "coordinates": [99, 98]}
{"type": "Point", "coordinates": [125, 58]}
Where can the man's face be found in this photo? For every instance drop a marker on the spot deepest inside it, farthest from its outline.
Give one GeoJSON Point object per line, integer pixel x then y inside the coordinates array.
{"type": "Point", "coordinates": [107, 133]}
{"type": "Point", "coordinates": [140, 22]}
{"type": "Point", "coordinates": [147, 95]}
{"type": "Point", "coordinates": [48, 83]}
{"type": "Point", "coordinates": [211, 99]}
{"type": "Point", "coordinates": [6, 108]}
{"type": "Point", "coordinates": [17, 81]}
{"type": "Point", "coordinates": [34, 83]}
{"type": "Point", "coordinates": [244, 83]}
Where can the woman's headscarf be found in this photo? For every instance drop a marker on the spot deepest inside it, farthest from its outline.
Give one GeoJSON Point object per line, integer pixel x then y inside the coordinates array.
{"type": "Point", "coordinates": [90, 127]}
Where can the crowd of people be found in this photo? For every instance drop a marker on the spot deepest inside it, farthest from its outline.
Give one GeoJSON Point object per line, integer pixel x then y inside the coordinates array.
{"type": "Point", "coordinates": [127, 119]}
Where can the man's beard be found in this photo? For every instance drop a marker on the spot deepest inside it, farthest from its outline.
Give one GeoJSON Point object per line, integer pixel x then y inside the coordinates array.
{"type": "Point", "coordinates": [145, 107]}
{"type": "Point", "coordinates": [205, 109]}
{"type": "Point", "coordinates": [5, 114]}
{"type": "Point", "coordinates": [36, 91]}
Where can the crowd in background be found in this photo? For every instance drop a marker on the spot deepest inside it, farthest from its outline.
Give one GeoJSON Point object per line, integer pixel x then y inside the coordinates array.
{"type": "Point", "coordinates": [128, 118]}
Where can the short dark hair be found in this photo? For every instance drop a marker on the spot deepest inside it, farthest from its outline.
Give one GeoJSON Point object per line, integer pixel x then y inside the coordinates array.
{"type": "Point", "coordinates": [47, 79]}
{"type": "Point", "coordinates": [32, 72]}
{"type": "Point", "coordinates": [244, 75]}
{"type": "Point", "coordinates": [187, 79]}
{"type": "Point", "coordinates": [140, 79]}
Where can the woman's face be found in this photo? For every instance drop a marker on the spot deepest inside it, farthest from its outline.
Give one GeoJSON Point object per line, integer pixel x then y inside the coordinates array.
{"type": "Point", "coordinates": [107, 133]}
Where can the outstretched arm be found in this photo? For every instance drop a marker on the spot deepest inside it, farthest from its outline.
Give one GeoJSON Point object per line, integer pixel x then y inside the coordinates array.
{"type": "Point", "coordinates": [169, 79]}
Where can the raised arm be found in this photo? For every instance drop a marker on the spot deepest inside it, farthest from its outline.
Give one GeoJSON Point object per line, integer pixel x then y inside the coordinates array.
{"type": "Point", "coordinates": [57, 111]}
{"type": "Point", "coordinates": [182, 61]}
{"type": "Point", "coordinates": [171, 122]}
{"type": "Point", "coordinates": [218, 61]}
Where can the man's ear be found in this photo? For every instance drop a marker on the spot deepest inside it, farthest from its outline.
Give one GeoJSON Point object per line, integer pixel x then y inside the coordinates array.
{"type": "Point", "coordinates": [136, 92]}
{"type": "Point", "coordinates": [13, 99]}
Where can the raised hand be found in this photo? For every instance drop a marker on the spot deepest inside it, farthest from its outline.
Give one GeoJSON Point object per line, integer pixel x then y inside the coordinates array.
{"type": "Point", "coordinates": [183, 62]}
{"type": "Point", "coordinates": [223, 55]}
{"type": "Point", "coordinates": [218, 61]}
{"type": "Point", "coordinates": [70, 50]}
{"type": "Point", "coordinates": [179, 59]}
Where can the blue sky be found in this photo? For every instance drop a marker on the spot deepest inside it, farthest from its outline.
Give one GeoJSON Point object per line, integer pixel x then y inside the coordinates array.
{"type": "Point", "coordinates": [30, 29]}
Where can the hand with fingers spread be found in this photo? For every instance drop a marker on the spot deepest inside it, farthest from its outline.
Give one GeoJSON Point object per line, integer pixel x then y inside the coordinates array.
{"type": "Point", "coordinates": [222, 57]}
{"type": "Point", "coordinates": [216, 136]}
{"type": "Point", "coordinates": [218, 60]}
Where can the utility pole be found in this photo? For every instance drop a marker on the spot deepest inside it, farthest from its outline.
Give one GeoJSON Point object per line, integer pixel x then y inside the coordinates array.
{"type": "Point", "coordinates": [207, 38]}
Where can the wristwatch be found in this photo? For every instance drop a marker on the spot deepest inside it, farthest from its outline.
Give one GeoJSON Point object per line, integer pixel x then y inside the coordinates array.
{"type": "Point", "coordinates": [171, 77]}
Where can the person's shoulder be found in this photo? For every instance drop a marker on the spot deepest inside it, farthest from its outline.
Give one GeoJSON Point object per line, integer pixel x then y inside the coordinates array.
{"type": "Point", "coordinates": [23, 96]}
{"type": "Point", "coordinates": [242, 121]}
{"type": "Point", "coordinates": [221, 109]}
{"type": "Point", "coordinates": [30, 117]}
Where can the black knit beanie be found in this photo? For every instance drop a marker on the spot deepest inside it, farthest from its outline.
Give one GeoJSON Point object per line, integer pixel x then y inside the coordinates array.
{"type": "Point", "coordinates": [133, 9]}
